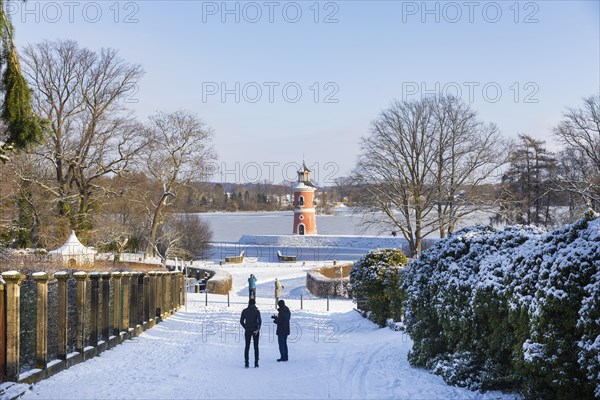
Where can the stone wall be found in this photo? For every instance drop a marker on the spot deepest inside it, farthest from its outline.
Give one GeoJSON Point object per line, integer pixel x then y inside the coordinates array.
{"type": "Point", "coordinates": [322, 286]}
{"type": "Point", "coordinates": [37, 313]}
{"type": "Point", "coordinates": [219, 282]}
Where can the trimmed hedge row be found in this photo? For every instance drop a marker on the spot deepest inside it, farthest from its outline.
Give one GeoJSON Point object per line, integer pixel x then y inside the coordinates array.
{"type": "Point", "coordinates": [517, 310]}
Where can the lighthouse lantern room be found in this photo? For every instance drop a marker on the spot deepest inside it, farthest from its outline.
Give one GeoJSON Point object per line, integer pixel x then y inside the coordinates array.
{"type": "Point", "coordinates": [305, 222]}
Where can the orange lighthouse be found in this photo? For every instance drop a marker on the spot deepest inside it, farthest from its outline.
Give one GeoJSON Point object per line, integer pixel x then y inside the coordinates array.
{"type": "Point", "coordinates": [305, 222]}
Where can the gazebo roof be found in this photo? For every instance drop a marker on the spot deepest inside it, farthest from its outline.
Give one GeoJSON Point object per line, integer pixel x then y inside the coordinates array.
{"type": "Point", "coordinates": [73, 246]}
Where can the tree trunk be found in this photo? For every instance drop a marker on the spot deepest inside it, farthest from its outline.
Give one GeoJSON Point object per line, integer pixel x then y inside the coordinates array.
{"type": "Point", "coordinates": [150, 250]}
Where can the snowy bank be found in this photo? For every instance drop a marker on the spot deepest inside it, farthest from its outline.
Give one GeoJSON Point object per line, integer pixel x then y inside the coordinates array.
{"type": "Point", "coordinates": [361, 242]}
{"type": "Point", "coordinates": [365, 243]}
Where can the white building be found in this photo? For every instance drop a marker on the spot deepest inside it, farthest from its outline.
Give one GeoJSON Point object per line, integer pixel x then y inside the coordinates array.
{"type": "Point", "coordinates": [73, 253]}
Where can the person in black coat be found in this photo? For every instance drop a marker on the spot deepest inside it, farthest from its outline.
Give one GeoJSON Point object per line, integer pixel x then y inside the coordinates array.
{"type": "Point", "coordinates": [283, 328]}
{"type": "Point", "coordinates": [251, 321]}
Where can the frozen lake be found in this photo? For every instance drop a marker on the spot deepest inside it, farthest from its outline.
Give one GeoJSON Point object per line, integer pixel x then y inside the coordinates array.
{"type": "Point", "coordinates": [229, 227]}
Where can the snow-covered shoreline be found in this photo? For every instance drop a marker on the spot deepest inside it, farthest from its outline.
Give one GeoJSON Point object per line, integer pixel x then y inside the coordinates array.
{"type": "Point", "coordinates": [354, 241]}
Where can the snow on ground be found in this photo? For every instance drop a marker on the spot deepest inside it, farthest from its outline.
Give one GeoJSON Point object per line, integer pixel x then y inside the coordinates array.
{"type": "Point", "coordinates": [198, 353]}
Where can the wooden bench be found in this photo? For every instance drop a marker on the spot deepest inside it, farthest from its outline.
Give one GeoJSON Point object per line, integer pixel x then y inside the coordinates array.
{"type": "Point", "coordinates": [283, 258]}
{"type": "Point", "coordinates": [235, 259]}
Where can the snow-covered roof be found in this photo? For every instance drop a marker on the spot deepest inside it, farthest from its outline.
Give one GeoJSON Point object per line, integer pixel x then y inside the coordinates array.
{"type": "Point", "coordinates": [303, 186]}
{"type": "Point", "coordinates": [73, 246]}
{"type": "Point", "coordinates": [300, 185]}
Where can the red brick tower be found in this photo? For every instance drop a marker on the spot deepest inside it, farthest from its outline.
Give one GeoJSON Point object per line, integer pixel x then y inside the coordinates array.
{"type": "Point", "coordinates": [305, 222]}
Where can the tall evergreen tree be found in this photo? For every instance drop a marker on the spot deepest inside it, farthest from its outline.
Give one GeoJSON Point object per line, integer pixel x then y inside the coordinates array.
{"type": "Point", "coordinates": [526, 185]}
{"type": "Point", "coordinates": [22, 127]}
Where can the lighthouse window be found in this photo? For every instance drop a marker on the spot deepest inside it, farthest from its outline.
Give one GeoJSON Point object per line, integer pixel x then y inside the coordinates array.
{"type": "Point", "coordinates": [301, 217]}
{"type": "Point", "coordinates": [301, 200]}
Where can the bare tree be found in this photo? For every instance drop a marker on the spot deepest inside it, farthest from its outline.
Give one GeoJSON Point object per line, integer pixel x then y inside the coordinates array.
{"type": "Point", "coordinates": [469, 154]}
{"type": "Point", "coordinates": [572, 182]}
{"type": "Point", "coordinates": [166, 244]}
{"type": "Point", "coordinates": [420, 167]}
{"type": "Point", "coordinates": [91, 133]}
{"type": "Point", "coordinates": [113, 236]}
{"type": "Point", "coordinates": [394, 169]}
{"type": "Point", "coordinates": [344, 187]}
{"type": "Point", "coordinates": [579, 132]}
{"type": "Point", "coordinates": [35, 222]}
{"type": "Point", "coordinates": [124, 218]}
{"type": "Point", "coordinates": [193, 233]}
{"type": "Point", "coordinates": [179, 152]}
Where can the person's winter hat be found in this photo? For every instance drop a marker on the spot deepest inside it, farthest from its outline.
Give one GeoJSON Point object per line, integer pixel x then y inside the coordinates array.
{"type": "Point", "coordinates": [252, 302]}
{"type": "Point", "coordinates": [281, 303]}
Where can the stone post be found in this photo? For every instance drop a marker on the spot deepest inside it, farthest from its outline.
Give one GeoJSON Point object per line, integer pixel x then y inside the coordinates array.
{"type": "Point", "coordinates": [182, 284]}
{"type": "Point", "coordinates": [171, 277]}
{"type": "Point", "coordinates": [2, 332]}
{"type": "Point", "coordinates": [165, 293]}
{"type": "Point", "coordinates": [63, 314]}
{"type": "Point", "coordinates": [41, 331]}
{"type": "Point", "coordinates": [116, 276]}
{"type": "Point", "coordinates": [140, 299]}
{"type": "Point", "coordinates": [126, 286]}
{"type": "Point", "coordinates": [105, 307]}
{"type": "Point", "coordinates": [175, 291]}
{"type": "Point", "coordinates": [133, 300]}
{"type": "Point", "coordinates": [95, 282]}
{"type": "Point", "coordinates": [13, 281]}
{"type": "Point", "coordinates": [147, 295]}
{"type": "Point", "coordinates": [81, 278]}
{"type": "Point", "coordinates": [159, 296]}
{"type": "Point", "coordinates": [168, 291]}
{"type": "Point", "coordinates": [152, 305]}
{"type": "Point", "coordinates": [183, 289]}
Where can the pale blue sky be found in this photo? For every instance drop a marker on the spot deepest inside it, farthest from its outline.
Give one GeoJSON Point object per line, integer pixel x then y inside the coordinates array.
{"type": "Point", "coordinates": [547, 52]}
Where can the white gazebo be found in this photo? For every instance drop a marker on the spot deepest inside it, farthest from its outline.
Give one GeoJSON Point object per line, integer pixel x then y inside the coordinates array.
{"type": "Point", "coordinates": [73, 253]}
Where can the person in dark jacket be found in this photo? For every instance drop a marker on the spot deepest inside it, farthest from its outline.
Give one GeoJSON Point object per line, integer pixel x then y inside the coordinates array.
{"type": "Point", "coordinates": [251, 321]}
{"type": "Point", "coordinates": [283, 328]}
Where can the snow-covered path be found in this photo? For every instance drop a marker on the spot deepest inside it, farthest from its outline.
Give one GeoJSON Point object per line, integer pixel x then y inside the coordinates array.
{"type": "Point", "coordinates": [198, 353]}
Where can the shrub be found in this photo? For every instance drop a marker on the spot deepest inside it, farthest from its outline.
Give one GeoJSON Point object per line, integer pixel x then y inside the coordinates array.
{"type": "Point", "coordinates": [516, 309]}
{"type": "Point", "coordinates": [454, 309]}
{"type": "Point", "coordinates": [553, 284]}
{"type": "Point", "coordinates": [375, 278]}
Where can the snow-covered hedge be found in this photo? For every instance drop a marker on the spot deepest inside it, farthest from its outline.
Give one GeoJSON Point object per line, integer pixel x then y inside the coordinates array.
{"type": "Point", "coordinates": [375, 279]}
{"type": "Point", "coordinates": [516, 309]}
